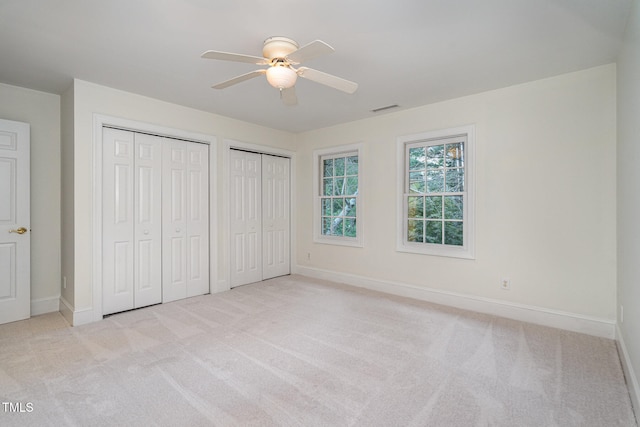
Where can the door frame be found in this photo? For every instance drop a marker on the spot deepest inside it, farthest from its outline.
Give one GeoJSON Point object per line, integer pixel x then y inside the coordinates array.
{"type": "Point", "coordinates": [224, 284]}
{"type": "Point", "coordinates": [100, 121]}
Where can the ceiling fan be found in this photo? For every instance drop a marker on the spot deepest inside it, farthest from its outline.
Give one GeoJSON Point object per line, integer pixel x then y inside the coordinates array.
{"type": "Point", "coordinates": [281, 54]}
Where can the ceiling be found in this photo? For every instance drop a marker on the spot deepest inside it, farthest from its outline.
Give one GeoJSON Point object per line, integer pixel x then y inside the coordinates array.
{"type": "Point", "coordinates": [404, 52]}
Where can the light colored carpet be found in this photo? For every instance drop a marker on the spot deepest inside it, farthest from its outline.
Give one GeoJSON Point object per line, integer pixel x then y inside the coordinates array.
{"type": "Point", "coordinates": [294, 351]}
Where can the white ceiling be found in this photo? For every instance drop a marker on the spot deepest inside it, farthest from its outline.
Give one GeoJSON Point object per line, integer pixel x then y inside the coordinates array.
{"type": "Point", "coordinates": [405, 52]}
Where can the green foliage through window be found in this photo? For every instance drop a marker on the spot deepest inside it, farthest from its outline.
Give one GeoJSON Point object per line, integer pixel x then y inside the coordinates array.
{"type": "Point", "coordinates": [436, 188]}
{"type": "Point", "coordinates": [339, 195]}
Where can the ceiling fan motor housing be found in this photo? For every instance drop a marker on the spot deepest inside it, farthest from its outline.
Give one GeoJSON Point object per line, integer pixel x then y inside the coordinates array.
{"type": "Point", "coordinates": [278, 47]}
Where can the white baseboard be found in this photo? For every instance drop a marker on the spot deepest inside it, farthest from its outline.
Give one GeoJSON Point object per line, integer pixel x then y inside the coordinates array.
{"type": "Point", "coordinates": [539, 315]}
{"type": "Point", "coordinates": [44, 305]}
{"type": "Point", "coordinates": [66, 309]}
{"type": "Point", "coordinates": [83, 316]}
{"type": "Point", "coordinates": [629, 372]}
{"type": "Point", "coordinates": [73, 316]}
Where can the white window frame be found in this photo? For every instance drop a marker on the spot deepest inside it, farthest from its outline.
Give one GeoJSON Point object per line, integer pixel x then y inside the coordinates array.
{"type": "Point", "coordinates": [466, 251]}
{"type": "Point", "coordinates": [339, 151]}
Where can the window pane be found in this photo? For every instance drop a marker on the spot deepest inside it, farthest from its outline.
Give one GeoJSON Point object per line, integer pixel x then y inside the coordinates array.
{"type": "Point", "coordinates": [338, 186]}
{"type": "Point", "coordinates": [338, 166]}
{"type": "Point", "coordinates": [433, 232]}
{"type": "Point", "coordinates": [453, 207]}
{"type": "Point", "coordinates": [349, 207]}
{"type": "Point", "coordinates": [433, 207]}
{"type": "Point", "coordinates": [352, 165]}
{"type": "Point", "coordinates": [350, 227]}
{"type": "Point", "coordinates": [352, 185]}
{"type": "Point", "coordinates": [336, 226]}
{"type": "Point", "coordinates": [435, 181]}
{"type": "Point", "coordinates": [416, 182]}
{"type": "Point", "coordinates": [338, 205]}
{"type": "Point", "coordinates": [326, 206]}
{"type": "Point", "coordinates": [455, 155]}
{"type": "Point", "coordinates": [416, 208]}
{"type": "Point", "coordinates": [416, 158]}
{"type": "Point", "coordinates": [415, 231]}
{"type": "Point", "coordinates": [436, 184]}
{"type": "Point", "coordinates": [354, 207]}
{"type": "Point", "coordinates": [339, 181]}
{"type": "Point", "coordinates": [326, 225]}
{"type": "Point", "coordinates": [435, 156]}
{"type": "Point", "coordinates": [455, 180]}
{"type": "Point", "coordinates": [327, 168]}
{"type": "Point", "coordinates": [327, 186]}
{"type": "Point", "coordinates": [416, 176]}
{"type": "Point", "coordinates": [417, 187]}
{"type": "Point", "coordinates": [453, 233]}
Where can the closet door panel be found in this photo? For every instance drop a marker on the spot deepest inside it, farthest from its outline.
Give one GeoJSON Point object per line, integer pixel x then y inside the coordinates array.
{"type": "Point", "coordinates": [117, 221]}
{"type": "Point", "coordinates": [148, 225]}
{"type": "Point", "coordinates": [197, 219]}
{"type": "Point", "coordinates": [245, 217]}
{"type": "Point", "coordinates": [275, 216]}
{"type": "Point", "coordinates": [174, 223]}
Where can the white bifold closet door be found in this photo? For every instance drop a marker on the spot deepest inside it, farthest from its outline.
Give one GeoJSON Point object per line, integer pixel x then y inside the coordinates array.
{"type": "Point", "coordinates": [275, 217]}
{"type": "Point", "coordinates": [185, 212]}
{"type": "Point", "coordinates": [146, 215]}
{"type": "Point", "coordinates": [260, 219]}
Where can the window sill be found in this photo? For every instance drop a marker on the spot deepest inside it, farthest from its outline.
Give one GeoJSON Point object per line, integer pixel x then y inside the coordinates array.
{"type": "Point", "coordinates": [437, 250]}
{"type": "Point", "coordinates": [339, 241]}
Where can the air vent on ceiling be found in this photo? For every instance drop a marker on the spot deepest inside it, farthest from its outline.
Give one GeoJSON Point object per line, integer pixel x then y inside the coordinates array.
{"type": "Point", "coordinates": [388, 107]}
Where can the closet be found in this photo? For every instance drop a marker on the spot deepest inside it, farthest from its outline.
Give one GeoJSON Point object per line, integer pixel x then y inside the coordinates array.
{"type": "Point", "coordinates": [259, 216]}
{"type": "Point", "coordinates": [155, 219]}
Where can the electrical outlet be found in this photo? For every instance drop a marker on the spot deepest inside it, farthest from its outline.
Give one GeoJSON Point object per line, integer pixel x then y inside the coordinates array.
{"type": "Point", "coordinates": [505, 284]}
{"type": "Point", "coordinates": [308, 256]}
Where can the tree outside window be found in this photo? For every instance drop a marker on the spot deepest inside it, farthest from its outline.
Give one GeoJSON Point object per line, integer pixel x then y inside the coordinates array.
{"type": "Point", "coordinates": [436, 194]}
{"type": "Point", "coordinates": [436, 185]}
{"type": "Point", "coordinates": [339, 195]}
{"type": "Point", "coordinates": [338, 198]}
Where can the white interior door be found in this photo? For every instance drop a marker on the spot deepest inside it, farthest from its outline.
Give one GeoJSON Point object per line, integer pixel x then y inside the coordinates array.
{"type": "Point", "coordinates": [185, 235]}
{"type": "Point", "coordinates": [245, 217]}
{"type": "Point", "coordinates": [15, 282]}
{"type": "Point", "coordinates": [117, 220]}
{"type": "Point", "coordinates": [197, 219]}
{"type": "Point", "coordinates": [131, 221]}
{"type": "Point", "coordinates": [147, 230]}
{"type": "Point", "coordinates": [155, 220]}
{"type": "Point", "coordinates": [275, 217]}
{"type": "Point", "coordinates": [174, 223]}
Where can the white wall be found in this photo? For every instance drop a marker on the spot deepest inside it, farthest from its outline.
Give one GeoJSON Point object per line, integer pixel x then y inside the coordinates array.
{"type": "Point", "coordinates": [629, 200]}
{"type": "Point", "coordinates": [66, 200]}
{"type": "Point", "coordinates": [42, 111]}
{"type": "Point", "coordinates": [545, 197]}
{"type": "Point", "coordinates": [89, 98]}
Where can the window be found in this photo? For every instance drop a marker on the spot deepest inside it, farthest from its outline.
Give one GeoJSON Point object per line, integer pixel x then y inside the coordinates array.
{"type": "Point", "coordinates": [436, 181]}
{"type": "Point", "coordinates": [337, 173]}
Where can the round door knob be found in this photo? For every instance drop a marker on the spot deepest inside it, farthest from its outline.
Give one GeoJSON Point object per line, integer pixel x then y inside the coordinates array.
{"type": "Point", "coordinates": [146, 231]}
{"type": "Point", "coordinates": [177, 230]}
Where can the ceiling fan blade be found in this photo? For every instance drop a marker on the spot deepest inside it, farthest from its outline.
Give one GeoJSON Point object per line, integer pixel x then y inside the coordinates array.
{"type": "Point", "coordinates": [236, 57]}
{"type": "Point", "coordinates": [328, 79]}
{"type": "Point", "coordinates": [288, 96]}
{"type": "Point", "coordinates": [239, 79]}
{"type": "Point", "coordinates": [309, 51]}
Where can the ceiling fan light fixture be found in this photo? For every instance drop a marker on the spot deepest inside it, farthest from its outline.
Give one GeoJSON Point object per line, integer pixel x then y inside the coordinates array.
{"type": "Point", "coordinates": [281, 77]}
